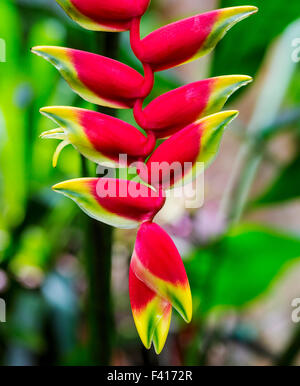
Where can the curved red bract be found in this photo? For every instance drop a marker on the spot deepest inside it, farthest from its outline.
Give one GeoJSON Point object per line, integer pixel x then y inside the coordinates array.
{"type": "Point", "coordinates": [174, 110]}
{"type": "Point", "coordinates": [178, 42]}
{"type": "Point", "coordinates": [173, 158]}
{"type": "Point", "coordinates": [118, 196]}
{"type": "Point", "coordinates": [159, 255]}
{"type": "Point", "coordinates": [107, 78]}
{"type": "Point", "coordinates": [111, 10]}
{"type": "Point", "coordinates": [113, 137]}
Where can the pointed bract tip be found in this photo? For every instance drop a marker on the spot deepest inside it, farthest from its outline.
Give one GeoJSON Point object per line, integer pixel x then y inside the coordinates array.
{"type": "Point", "coordinates": [249, 8]}
{"type": "Point", "coordinates": [58, 187]}
{"type": "Point", "coordinates": [188, 309]}
{"type": "Point", "coordinates": [50, 53]}
{"type": "Point", "coordinates": [252, 8]}
{"type": "Point", "coordinates": [243, 78]}
{"type": "Point", "coordinates": [75, 185]}
{"type": "Point", "coordinates": [54, 110]}
{"type": "Point", "coordinates": [39, 50]}
{"type": "Point", "coordinates": [162, 329]}
{"type": "Point", "coordinates": [223, 116]}
{"type": "Point", "coordinates": [45, 110]}
{"type": "Point", "coordinates": [233, 15]}
{"type": "Point", "coordinates": [243, 9]}
{"type": "Point", "coordinates": [229, 113]}
{"type": "Point", "coordinates": [234, 82]}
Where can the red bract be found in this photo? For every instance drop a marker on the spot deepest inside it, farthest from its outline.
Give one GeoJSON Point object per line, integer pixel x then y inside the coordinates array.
{"type": "Point", "coordinates": [104, 15]}
{"type": "Point", "coordinates": [116, 202]}
{"type": "Point", "coordinates": [185, 40]}
{"type": "Point", "coordinates": [98, 79]}
{"type": "Point", "coordinates": [157, 263]}
{"type": "Point", "coordinates": [176, 158]}
{"type": "Point", "coordinates": [172, 111]}
{"type": "Point", "coordinates": [97, 136]}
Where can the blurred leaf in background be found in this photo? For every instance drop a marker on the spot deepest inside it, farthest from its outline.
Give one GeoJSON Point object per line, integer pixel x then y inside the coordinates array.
{"type": "Point", "coordinates": [248, 48]}
{"type": "Point", "coordinates": [240, 267]}
{"type": "Point", "coordinates": [285, 187]}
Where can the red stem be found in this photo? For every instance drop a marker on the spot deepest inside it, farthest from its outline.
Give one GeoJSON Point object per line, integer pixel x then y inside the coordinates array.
{"type": "Point", "coordinates": [149, 80]}
{"type": "Point", "coordinates": [135, 42]}
{"type": "Point", "coordinates": [150, 144]}
{"type": "Point", "coordinates": [138, 113]}
{"type": "Point", "coordinates": [135, 37]}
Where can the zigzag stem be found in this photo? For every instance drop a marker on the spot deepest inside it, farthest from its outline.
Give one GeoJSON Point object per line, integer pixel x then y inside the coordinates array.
{"type": "Point", "coordinates": [135, 40]}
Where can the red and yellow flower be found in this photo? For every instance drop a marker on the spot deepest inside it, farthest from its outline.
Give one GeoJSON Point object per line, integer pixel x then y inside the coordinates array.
{"type": "Point", "coordinates": [190, 116]}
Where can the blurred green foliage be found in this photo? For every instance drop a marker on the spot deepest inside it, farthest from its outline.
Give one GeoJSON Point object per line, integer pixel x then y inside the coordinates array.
{"type": "Point", "coordinates": [240, 267]}
{"type": "Point", "coordinates": [285, 187]}
{"type": "Point", "coordinates": [248, 42]}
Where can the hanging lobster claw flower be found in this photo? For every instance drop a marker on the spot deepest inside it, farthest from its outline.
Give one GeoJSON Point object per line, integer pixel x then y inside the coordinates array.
{"type": "Point", "coordinates": [178, 108]}
{"type": "Point", "coordinates": [151, 313]}
{"type": "Point", "coordinates": [104, 15]}
{"type": "Point", "coordinates": [120, 203]}
{"type": "Point", "coordinates": [157, 263]}
{"type": "Point", "coordinates": [99, 137]}
{"type": "Point", "coordinates": [177, 160]}
{"type": "Point", "coordinates": [188, 39]}
{"type": "Point", "coordinates": [95, 78]}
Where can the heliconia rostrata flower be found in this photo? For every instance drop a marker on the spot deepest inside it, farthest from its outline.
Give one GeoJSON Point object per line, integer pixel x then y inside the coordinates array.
{"type": "Point", "coordinates": [189, 117]}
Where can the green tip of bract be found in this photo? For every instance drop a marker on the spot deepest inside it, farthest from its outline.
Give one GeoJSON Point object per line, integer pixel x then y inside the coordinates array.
{"type": "Point", "coordinates": [240, 11]}
{"type": "Point", "coordinates": [252, 8]}
{"type": "Point", "coordinates": [57, 56]}
{"type": "Point", "coordinates": [73, 186]}
{"type": "Point", "coordinates": [45, 50]}
{"type": "Point", "coordinates": [233, 15]}
{"type": "Point", "coordinates": [244, 78]}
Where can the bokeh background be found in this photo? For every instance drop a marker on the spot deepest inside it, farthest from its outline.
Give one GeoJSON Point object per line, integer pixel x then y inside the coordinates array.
{"type": "Point", "coordinates": [241, 248]}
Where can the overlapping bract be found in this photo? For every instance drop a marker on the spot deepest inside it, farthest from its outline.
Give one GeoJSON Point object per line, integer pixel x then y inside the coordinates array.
{"type": "Point", "coordinates": [99, 137]}
{"type": "Point", "coordinates": [196, 143]}
{"type": "Point", "coordinates": [95, 78]}
{"type": "Point", "coordinates": [178, 108]}
{"type": "Point", "coordinates": [187, 39]}
{"type": "Point", "coordinates": [104, 15]}
{"type": "Point", "coordinates": [157, 281]}
{"type": "Point", "coordinates": [189, 116]}
{"type": "Point", "coordinates": [120, 203]}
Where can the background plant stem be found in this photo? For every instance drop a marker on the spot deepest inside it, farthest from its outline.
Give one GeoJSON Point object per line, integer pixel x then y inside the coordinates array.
{"type": "Point", "coordinates": [251, 156]}
{"type": "Point", "coordinates": [99, 257]}
{"type": "Point", "coordinates": [289, 355]}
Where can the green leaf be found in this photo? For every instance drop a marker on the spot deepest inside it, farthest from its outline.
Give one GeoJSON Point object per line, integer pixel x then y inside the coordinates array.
{"type": "Point", "coordinates": [240, 267]}
{"type": "Point", "coordinates": [255, 35]}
